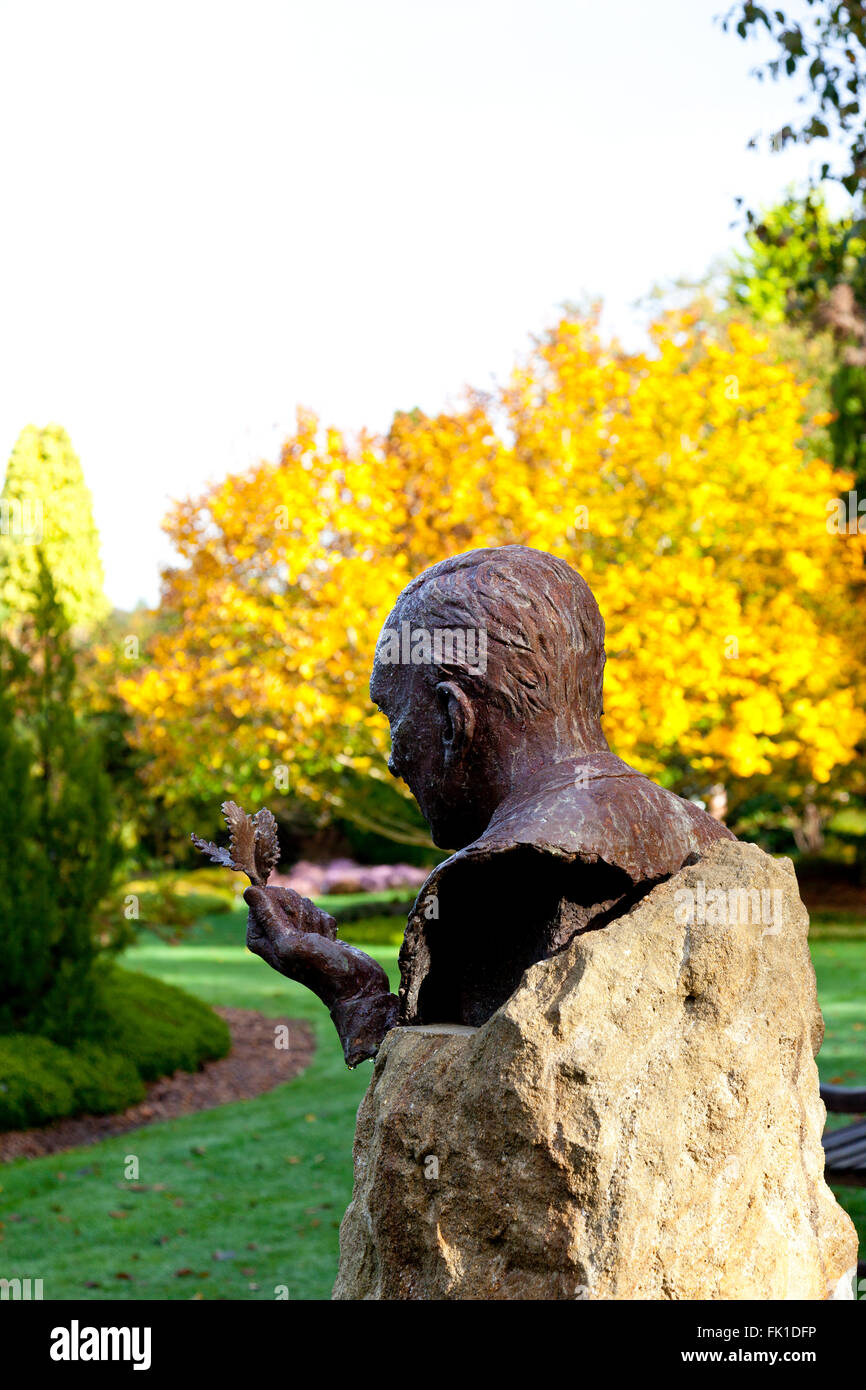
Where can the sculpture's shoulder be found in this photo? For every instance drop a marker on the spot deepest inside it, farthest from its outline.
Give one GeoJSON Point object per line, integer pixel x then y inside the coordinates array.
{"type": "Point", "coordinates": [584, 837]}
{"type": "Point", "coordinates": [598, 808]}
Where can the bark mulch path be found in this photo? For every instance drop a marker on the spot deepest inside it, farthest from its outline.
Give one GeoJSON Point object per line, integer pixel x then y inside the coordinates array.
{"type": "Point", "coordinates": [253, 1066]}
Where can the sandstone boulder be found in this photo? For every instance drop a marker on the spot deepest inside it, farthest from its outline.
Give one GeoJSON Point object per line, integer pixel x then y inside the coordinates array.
{"type": "Point", "coordinates": [641, 1119]}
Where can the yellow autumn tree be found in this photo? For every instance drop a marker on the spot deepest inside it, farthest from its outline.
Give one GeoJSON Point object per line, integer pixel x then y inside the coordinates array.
{"type": "Point", "coordinates": [674, 480]}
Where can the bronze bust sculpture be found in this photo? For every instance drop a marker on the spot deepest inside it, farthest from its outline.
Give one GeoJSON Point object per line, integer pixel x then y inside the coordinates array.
{"type": "Point", "coordinates": [490, 672]}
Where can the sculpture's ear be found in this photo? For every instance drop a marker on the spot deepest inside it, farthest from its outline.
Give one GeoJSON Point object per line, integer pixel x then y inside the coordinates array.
{"type": "Point", "coordinates": [458, 719]}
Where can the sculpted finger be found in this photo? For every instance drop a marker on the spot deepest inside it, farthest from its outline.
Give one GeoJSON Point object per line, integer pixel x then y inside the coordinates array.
{"type": "Point", "coordinates": [290, 902]}
{"type": "Point", "coordinates": [304, 913]}
{"type": "Point", "coordinates": [260, 945]}
{"type": "Point", "coordinates": [269, 917]}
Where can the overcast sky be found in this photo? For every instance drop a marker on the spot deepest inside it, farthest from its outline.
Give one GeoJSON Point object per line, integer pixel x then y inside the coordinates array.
{"type": "Point", "coordinates": [214, 212]}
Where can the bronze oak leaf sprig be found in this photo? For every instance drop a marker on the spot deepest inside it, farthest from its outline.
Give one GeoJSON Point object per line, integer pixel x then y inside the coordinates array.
{"type": "Point", "coordinates": [253, 845]}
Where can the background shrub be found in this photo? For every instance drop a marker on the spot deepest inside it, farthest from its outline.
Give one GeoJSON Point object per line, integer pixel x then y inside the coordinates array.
{"type": "Point", "coordinates": [34, 1083]}
{"type": "Point", "coordinates": [145, 1029]}
{"type": "Point", "coordinates": [159, 1027]}
{"type": "Point", "coordinates": [104, 1082]}
{"type": "Point", "coordinates": [58, 847]}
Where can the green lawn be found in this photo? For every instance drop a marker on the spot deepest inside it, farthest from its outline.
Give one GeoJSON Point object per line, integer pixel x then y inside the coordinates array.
{"type": "Point", "coordinates": [246, 1199]}
{"type": "Point", "coordinates": [840, 966]}
{"type": "Point", "coordinates": [263, 1182]}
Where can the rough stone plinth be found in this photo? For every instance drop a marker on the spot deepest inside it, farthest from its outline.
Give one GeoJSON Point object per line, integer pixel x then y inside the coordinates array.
{"type": "Point", "coordinates": [640, 1120]}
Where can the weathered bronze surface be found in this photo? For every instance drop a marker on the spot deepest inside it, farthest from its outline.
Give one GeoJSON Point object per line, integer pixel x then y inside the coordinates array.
{"type": "Point", "coordinates": [496, 729]}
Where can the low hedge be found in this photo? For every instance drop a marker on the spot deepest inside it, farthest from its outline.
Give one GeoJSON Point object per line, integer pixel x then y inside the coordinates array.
{"type": "Point", "coordinates": [357, 907]}
{"type": "Point", "coordinates": [146, 1029]}
{"type": "Point", "coordinates": [41, 1081]}
{"type": "Point", "coordinates": [161, 1028]}
{"type": "Point", "coordinates": [374, 931]}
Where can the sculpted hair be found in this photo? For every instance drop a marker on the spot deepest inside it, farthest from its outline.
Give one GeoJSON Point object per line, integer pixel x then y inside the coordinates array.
{"type": "Point", "coordinates": [545, 633]}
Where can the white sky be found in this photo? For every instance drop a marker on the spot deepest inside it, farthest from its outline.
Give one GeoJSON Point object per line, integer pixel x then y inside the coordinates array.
{"type": "Point", "coordinates": [213, 212]}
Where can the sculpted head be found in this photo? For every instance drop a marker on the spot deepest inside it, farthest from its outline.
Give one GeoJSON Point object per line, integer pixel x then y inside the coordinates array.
{"type": "Point", "coordinates": [489, 667]}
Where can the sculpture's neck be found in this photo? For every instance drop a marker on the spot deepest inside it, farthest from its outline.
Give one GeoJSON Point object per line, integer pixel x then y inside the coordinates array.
{"type": "Point", "coordinates": [542, 748]}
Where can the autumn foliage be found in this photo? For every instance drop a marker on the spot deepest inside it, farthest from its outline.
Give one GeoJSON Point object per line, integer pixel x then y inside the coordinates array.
{"type": "Point", "coordinates": [674, 480]}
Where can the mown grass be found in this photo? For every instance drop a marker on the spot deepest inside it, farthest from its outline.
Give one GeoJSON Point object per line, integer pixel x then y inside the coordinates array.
{"type": "Point", "coordinates": [825, 925]}
{"type": "Point", "coordinates": [245, 1200]}
{"type": "Point", "coordinates": [840, 966]}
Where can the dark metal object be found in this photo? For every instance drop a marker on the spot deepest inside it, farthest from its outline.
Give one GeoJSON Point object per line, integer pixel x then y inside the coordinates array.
{"type": "Point", "coordinates": [490, 672]}
{"type": "Point", "coordinates": [300, 940]}
{"type": "Point", "coordinates": [844, 1100]}
{"type": "Point", "coordinates": [845, 1148]}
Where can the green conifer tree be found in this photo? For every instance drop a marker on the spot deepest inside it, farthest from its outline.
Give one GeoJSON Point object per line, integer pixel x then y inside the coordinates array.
{"type": "Point", "coordinates": [46, 508]}
{"type": "Point", "coordinates": [58, 848]}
